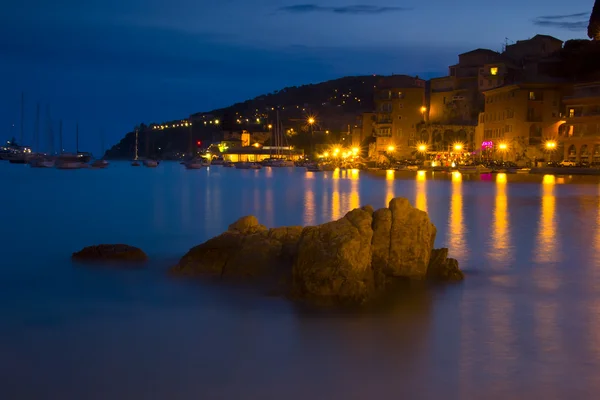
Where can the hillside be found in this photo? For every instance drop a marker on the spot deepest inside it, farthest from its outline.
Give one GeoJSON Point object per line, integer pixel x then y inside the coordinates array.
{"type": "Point", "coordinates": [334, 104]}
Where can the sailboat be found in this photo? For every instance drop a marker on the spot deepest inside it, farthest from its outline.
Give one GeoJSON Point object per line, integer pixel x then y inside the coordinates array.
{"type": "Point", "coordinates": [135, 162]}
{"type": "Point", "coordinates": [278, 138]}
{"type": "Point", "coordinates": [18, 154]}
{"type": "Point", "coordinates": [101, 162]}
{"type": "Point", "coordinates": [73, 161]}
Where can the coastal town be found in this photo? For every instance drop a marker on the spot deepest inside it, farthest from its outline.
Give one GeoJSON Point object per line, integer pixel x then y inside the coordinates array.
{"type": "Point", "coordinates": [526, 105]}
{"type": "Point", "coordinates": [535, 103]}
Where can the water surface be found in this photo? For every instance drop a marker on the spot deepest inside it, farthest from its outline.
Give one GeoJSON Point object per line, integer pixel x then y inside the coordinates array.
{"type": "Point", "coordinates": [525, 323]}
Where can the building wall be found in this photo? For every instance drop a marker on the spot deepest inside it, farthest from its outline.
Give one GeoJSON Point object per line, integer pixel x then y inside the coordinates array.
{"type": "Point", "coordinates": [581, 132]}
{"type": "Point", "coordinates": [368, 126]}
{"type": "Point", "coordinates": [399, 111]}
{"type": "Point", "coordinates": [522, 117]}
{"type": "Point", "coordinates": [537, 47]}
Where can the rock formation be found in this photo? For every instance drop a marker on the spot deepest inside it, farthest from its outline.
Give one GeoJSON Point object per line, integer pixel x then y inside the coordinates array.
{"type": "Point", "coordinates": [110, 252]}
{"type": "Point", "coordinates": [348, 261]}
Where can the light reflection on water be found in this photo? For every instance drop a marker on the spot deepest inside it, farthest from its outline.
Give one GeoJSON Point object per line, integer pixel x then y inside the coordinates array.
{"type": "Point", "coordinates": [524, 324]}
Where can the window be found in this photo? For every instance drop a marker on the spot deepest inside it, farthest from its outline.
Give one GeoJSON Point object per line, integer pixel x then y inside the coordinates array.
{"type": "Point", "coordinates": [399, 130]}
{"type": "Point", "coordinates": [571, 112]}
{"type": "Point", "coordinates": [399, 116]}
{"type": "Point", "coordinates": [481, 82]}
{"type": "Point", "coordinates": [531, 95]}
{"type": "Point", "coordinates": [400, 105]}
{"type": "Point", "coordinates": [384, 132]}
{"type": "Point", "coordinates": [489, 82]}
{"type": "Point", "coordinates": [494, 71]}
{"type": "Point", "coordinates": [444, 100]}
{"type": "Point", "coordinates": [386, 107]}
{"type": "Point", "coordinates": [400, 95]}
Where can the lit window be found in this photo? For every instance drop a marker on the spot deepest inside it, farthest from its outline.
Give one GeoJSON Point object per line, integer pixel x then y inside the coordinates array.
{"type": "Point", "coordinates": [571, 113]}
{"type": "Point", "coordinates": [494, 71]}
{"type": "Point", "coordinates": [531, 95]}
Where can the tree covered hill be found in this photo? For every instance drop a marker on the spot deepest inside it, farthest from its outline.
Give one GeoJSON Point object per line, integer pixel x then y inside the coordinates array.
{"type": "Point", "coordinates": [333, 104]}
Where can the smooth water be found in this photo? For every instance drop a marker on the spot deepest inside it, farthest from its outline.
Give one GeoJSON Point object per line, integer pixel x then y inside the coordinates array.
{"type": "Point", "coordinates": [525, 323]}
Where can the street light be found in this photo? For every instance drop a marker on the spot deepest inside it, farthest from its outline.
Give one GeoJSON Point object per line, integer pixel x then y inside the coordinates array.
{"type": "Point", "coordinates": [551, 146]}
{"type": "Point", "coordinates": [502, 147]}
{"type": "Point", "coordinates": [391, 148]}
{"type": "Point", "coordinates": [355, 150]}
{"type": "Point", "coordinates": [422, 148]}
{"type": "Point", "coordinates": [458, 147]}
{"type": "Point", "coordinates": [311, 122]}
{"type": "Point", "coordinates": [423, 109]}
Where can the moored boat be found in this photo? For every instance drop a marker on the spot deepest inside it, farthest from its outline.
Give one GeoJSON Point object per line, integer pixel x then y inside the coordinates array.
{"type": "Point", "coordinates": [151, 163]}
{"type": "Point", "coordinates": [99, 164]}
{"type": "Point", "coordinates": [196, 163]}
{"type": "Point", "coordinates": [474, 169]}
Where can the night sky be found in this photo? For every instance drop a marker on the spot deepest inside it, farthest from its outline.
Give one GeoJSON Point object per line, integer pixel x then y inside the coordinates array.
{"type": "Point", "coordinates": [110, 64]}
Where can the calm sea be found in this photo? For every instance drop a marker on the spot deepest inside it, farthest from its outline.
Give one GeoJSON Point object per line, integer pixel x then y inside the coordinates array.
{"type": "Point", "coordinates": [524, 324]}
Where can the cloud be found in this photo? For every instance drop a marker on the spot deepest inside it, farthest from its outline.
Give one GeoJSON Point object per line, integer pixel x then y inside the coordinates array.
{"type": "Point", "coordinates": [571, 22]}
{"type": "Point", "coordinates": [353, 9]}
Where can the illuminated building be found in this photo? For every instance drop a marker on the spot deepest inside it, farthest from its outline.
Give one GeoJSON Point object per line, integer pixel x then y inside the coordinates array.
{"type": "Point", "coordinates": [398, 103]}
{"type": "Point", "coordinates": [523, 116]}
{"type": "Point", "coordinates": [581, 132]}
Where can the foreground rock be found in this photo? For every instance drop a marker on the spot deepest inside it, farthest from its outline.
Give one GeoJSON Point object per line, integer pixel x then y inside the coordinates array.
{"type": "Point", "coordinates": [348, 261]}
{"type": "Point", "coordinates": [247, 249]}
{"type": "Point", "coordinates": [110, 252]}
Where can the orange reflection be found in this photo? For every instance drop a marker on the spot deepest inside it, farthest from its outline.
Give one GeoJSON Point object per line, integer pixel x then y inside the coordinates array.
{"type": "Point", "coordinates": [354, 196]}
{"type": "Point", "coordinates": [456, 230]}
{"type": "Point", "coordinates": [500, 233]}
{"type": "Point", "coordinates": [336, 174]}
{"type": "Point", "coordinates": [546, 238]}
{"type": "Point", "coordinates": [354, 174]}
{"type": "Point", "coordinates": [269, 172]}
{"type": "Point", "coordinates": [335, 196]}
{"type": "Point", "coordinates": [389, 177]}
{"type": "Point", "coordinates": [309, 206]}
{"type": "Point", "coordinates": [421, 191]}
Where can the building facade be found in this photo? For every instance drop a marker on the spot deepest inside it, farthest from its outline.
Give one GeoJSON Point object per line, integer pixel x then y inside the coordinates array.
{"type": "Point", "coordinates": [580, 133]}
{"type": "Point", "coordinates": [521, 117]}
{"type": "Point", "coordinates": [399, 110]}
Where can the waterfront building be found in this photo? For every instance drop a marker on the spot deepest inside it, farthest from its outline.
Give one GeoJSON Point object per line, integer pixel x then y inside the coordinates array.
{"type": "Point", "coordinates": [580, 133]}
{"type": "Point", "coordinates": [399, 109]}
{"type": "Point", "coordinates": [519, 119]}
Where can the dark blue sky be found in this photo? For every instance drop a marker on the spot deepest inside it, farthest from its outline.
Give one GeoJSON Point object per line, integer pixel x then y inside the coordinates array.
{"type": "Point", "coordinates": [110, 64]}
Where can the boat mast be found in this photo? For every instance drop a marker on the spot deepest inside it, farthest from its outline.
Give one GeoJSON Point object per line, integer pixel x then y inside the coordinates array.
{"type": "Point", "coordinates": [49, 130]}
{"type": "Point", "coordinates": [136, 145]}
{"type": "Point", "coordinates": [277, 131]}
{"type": "Point", "coordinates": [60, 151]}
{"type": "Point", "coordinates": [77, 138]}
{"type": "Point", "coordinates": [102, 143]}
{"type": "Point", "coordinates": [22, 117]}
{"type": "Point", "coordinates": [36, 133]}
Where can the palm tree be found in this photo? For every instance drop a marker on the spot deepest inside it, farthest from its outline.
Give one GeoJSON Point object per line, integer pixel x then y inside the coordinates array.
{"type": "Point", "coordinates": [594, 26]}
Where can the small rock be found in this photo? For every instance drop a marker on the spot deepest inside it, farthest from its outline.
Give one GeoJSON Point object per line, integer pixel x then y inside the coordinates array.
{"type": "Point", "coordinates": [110, 252]}
{"type": "Point", "coordinates": [247, 225]}
{"type": "Point", "coordinates": [442, 268]}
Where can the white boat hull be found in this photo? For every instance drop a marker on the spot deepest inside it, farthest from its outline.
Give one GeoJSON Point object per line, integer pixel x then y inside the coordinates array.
{"type": "Point", "coordinates": [151, 163]}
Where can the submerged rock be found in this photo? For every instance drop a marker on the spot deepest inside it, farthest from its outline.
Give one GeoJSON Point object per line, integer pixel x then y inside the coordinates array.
{"type": "Point", "coordinates": [348, 261]}
{"type": "Point", "coordinates": [110, 252]}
